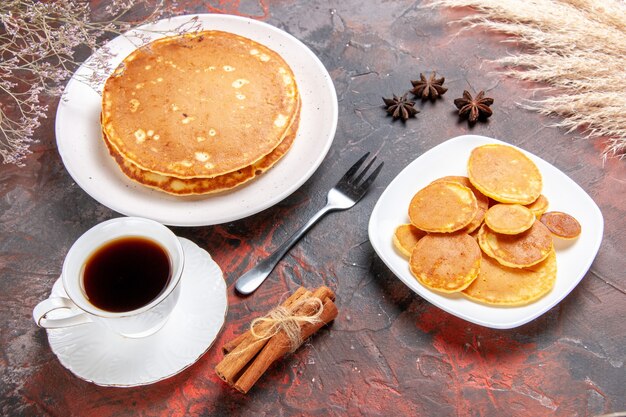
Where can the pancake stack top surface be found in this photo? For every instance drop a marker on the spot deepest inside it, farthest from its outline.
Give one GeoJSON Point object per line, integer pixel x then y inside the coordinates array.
{"type": "Point", "coordinates": [203, 111]}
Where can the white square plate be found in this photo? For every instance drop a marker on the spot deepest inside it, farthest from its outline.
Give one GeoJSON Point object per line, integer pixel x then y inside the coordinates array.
{"type": "Point", "coordinates": [450, 158]}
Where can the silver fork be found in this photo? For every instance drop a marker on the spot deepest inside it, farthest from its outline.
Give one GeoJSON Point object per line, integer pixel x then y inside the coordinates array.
{"type": "Point", "coordinates": [345, 194]}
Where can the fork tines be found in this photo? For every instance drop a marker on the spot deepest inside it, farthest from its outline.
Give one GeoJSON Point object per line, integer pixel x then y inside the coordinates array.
{"type": "Point", "coordinates": [355, 181]}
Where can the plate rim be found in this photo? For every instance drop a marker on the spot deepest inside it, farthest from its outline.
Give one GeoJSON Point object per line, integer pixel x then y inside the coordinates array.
{"type": "Point", "coordinates": [206, 220]}
{"type": "Point", "coordinates": [373, 231]}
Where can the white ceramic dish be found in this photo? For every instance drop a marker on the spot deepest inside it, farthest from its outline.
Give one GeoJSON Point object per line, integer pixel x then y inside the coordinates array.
{"type": "Point", "coordinates": [87, 160]}
{"type": "Point", "coordinates": [99, 355]}
{"type": "Point", "coordinates": [450, 158]}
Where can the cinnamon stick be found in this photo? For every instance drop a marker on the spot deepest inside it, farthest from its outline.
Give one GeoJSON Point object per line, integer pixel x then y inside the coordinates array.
{"type": "Point", "coordinates": [229, 346]}
{"type": "Point", "coordinates": [232, 344]}
{"type": "Point", "coordinates": [278, 346]}
{"type": "Point", "coordinates": [244, 350]}
{"type": "Point", "coordinates": [232, 365]}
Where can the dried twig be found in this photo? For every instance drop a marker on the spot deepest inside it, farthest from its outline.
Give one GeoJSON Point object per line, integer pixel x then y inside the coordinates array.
{"type": "Point", "coordinates": [39, 42]}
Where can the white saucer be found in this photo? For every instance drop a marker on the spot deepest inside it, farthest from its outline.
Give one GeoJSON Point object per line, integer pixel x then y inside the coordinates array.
{"type": "Point", "coordinates": [98, 355]}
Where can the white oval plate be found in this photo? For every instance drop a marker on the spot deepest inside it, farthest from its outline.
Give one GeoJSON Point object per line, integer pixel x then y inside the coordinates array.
{"type": "Point", "coordinates": [450, 158]}
{"type": "Point", "coordinates": [97, 354]}
{"type": "Point", "coordinates": [87, 160]}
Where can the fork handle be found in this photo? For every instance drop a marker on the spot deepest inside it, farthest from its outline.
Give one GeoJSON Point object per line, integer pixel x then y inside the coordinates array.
{"type": "Point", "coordinates": [251, 280]}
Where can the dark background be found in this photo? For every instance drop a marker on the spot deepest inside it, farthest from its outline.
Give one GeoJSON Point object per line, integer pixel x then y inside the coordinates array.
{"type": "Point", "coordinates": [389, 352]}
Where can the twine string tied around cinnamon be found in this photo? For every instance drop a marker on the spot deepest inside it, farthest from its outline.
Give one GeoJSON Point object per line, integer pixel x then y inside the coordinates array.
{"type": "Point", "coordinates": [287, 319]}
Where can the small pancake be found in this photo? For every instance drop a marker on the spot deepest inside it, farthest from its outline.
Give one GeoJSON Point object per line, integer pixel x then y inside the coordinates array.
{"type": "Point", "coordinates": [405, 237]}
{"type": "Point", "coordinates": [199, 105]}
{"type": "Point", "coordinates": [539, 206]}
{"type": "Point", "coordinates": [561, 224]}
{"type": "Point", "coordinates": [504, 174]}
{"type": "Point", "coordinates": [509, 219]}
{"type": "Point", "coordinates": [191, 186]}
{"type": "Point", "coordinates": [500, 285]}
{"type": "Point", "coordinates": [481, 199]}
{"type": "Point", "coordinates": [443, 207]}
{"type": "Point", "coordinates": [446, 262]}
{"type": "Point", "coordinates": [481, 238]}
{"type": "Point", "coordinates": [522, 250]}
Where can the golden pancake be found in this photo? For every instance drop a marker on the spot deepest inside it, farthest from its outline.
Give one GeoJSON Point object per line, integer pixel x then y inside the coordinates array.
{"type": "Point", "coordinates": [522, 250]}
{"type": "Point", "coordinates": [443, 207]}
{"type": "Point", "coordinates": [405, 237]}
{"type": "Point", "coordinates": [190, 186]}
{"type": "Point", "coordinates": [539, 206]}
{"type": "Point", "coordinates": [509, 219]}
{"type": "Point", "coordinates": [481, 238]}
{"type": "Point", "coordinates": [501, 285]}
{"type": "Point", "coordinates": [481, 199]}
{"type": "Point", "coordinates": [446, 262]}
{"type": "Point", "coordinates": [561, 224]}
{"type": "Point", "coordinates": [504, 174]}
{"type": "Point", "coordinates": [199, 105]}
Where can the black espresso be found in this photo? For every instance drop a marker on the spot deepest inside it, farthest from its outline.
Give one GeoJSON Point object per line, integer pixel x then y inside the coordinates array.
{"type": "Point", "coordinates": [126, 274]}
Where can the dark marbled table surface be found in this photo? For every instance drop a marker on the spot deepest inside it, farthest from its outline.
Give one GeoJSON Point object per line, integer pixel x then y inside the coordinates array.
{"type": "Point", "coordinates": [389, 352]}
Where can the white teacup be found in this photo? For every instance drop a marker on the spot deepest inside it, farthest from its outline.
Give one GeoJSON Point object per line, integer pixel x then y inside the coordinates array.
{"type": "Point", "coordinates": [139, 322]}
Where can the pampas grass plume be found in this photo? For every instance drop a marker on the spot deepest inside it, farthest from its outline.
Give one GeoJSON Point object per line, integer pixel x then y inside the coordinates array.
{"type": "Point", "coordinates": [577, 47]}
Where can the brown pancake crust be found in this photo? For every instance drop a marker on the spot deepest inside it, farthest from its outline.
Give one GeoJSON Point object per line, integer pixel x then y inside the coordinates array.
{"type": "Point", "coordinates": [561, 224]}
{"type": "Point", "coordinates": [522, 250]}
{"type": "Point", "coordinates": [481, 238]}
{"type": "Point", "coordinates": [446, 262]}
{"type": "Point", "coordinates": [504, 174]}
{"type": "Point", "coordinates": [539, 206]}
{"type": "Point", "coordinates": [443, 207]}
{"type": "Point", "coordinates": [191, 186]}
{"type": "Point", "coordinates": [199, 105]}
{"type": "Point", "coordinates": [405, 237]}
{"type": "Point", "coordinates": [500, 285]}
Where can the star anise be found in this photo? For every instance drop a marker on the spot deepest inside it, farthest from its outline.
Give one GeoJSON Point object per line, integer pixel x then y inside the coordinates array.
{"type": "Point", "coordinates": [474, 108]}
{"type": "Point", "coordinates": [429, 88]}
{"type": "Point", "coordinates": [400, 107]}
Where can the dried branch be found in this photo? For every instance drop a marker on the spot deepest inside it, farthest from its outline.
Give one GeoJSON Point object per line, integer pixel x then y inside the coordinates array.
{"type": "Point", "coordinates": [39, 44]}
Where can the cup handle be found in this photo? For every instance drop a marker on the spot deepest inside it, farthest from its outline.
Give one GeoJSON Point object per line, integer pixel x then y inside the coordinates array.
{"type": "Point", "coordinates": [53, 303]}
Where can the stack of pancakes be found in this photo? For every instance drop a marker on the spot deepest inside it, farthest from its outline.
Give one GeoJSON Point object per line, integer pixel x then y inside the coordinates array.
{"type": "Point", "coordinates": [200, 113]}
{"type": "Point", "coordinates": [488, 235]}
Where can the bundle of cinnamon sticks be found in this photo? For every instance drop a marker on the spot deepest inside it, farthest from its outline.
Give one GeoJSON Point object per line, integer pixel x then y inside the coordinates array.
{"type": "Point", "coordinates": [248, 356]}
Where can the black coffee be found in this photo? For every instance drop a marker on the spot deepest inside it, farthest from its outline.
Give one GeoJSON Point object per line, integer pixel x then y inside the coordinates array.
{"type": "Point", "coordinates": [126, 274]}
